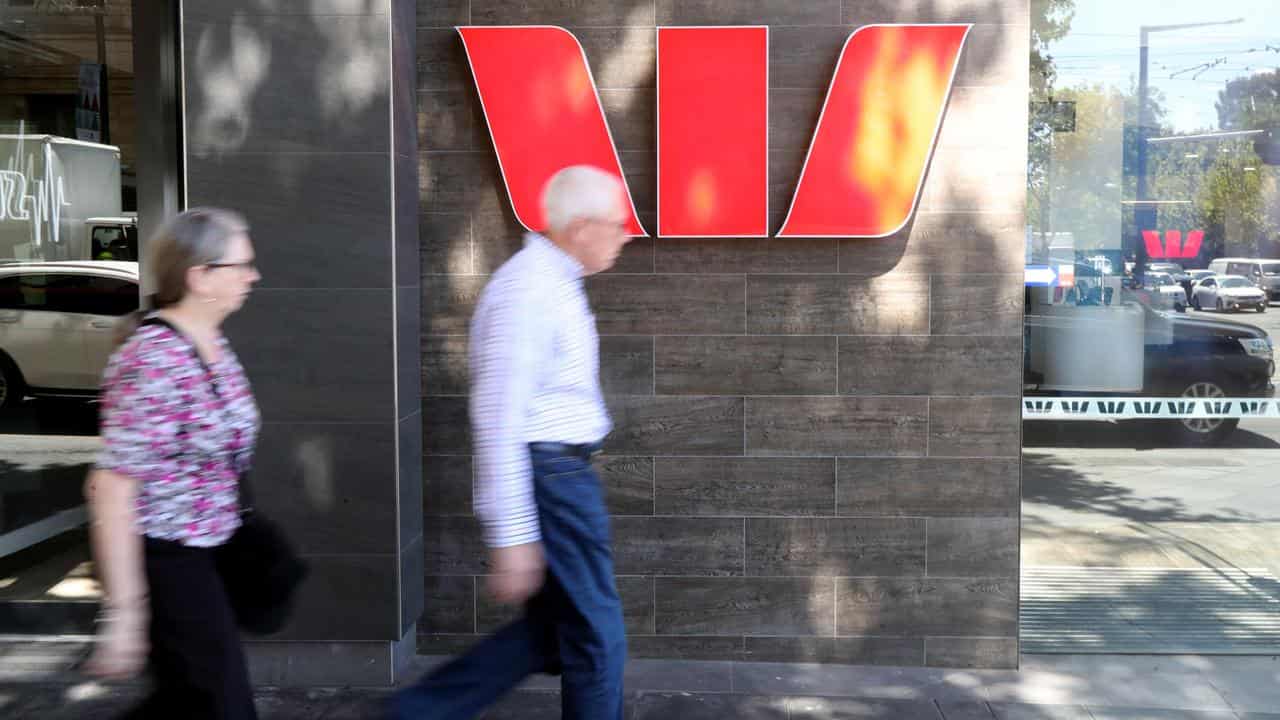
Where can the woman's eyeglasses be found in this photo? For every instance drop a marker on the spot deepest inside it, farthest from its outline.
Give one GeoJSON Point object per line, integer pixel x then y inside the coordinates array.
{"type": "Point", "coordinates": [247, 265]}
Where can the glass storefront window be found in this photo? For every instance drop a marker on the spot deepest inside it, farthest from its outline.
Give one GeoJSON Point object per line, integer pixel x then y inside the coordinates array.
{"type": "Point", "coordinates": [68, 272]}
{"type": "Point", "coordinates": [1153, 243]}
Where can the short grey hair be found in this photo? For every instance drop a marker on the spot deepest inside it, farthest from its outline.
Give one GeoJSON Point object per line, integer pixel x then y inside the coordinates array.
{"type": "Point", "coordinates": [191, 238]}
{"type": "Point", "coordinates": [580, 191]}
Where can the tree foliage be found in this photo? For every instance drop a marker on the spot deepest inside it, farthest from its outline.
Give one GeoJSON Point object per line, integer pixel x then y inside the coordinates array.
{"type": "Point", "coordinates": [1079, 174]}
{"type": "Point", "coordinates": [1050, 21]}
{"type": "Point", "coordinates": [1250, 103]}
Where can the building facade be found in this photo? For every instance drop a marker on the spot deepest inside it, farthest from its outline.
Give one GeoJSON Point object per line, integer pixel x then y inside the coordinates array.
{"type": "Point", "coordinates": [818, 444]}
{"type": "Point", "coordinates": [815, 453]}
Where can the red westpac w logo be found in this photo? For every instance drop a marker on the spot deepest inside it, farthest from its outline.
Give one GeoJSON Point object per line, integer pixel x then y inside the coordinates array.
{"type": "Point", "coordinates": [862, 175]}
{"type": "Point", "coordinates": [1173, 247]}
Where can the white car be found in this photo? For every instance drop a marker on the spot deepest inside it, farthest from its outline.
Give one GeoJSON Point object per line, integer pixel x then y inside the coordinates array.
{"type": "Point", "coordinates": [1170, 291]}
{"type": "Point", "coordinates": [57, 322]}
{"type": "Point", "coordinates": [1191, 277]}
{"type": "Point", "coordinates": [1228, 292]}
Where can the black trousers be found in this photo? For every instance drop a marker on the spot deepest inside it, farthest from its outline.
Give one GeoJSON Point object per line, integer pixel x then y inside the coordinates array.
{"type": "Point", "coordinates": [197, 660]}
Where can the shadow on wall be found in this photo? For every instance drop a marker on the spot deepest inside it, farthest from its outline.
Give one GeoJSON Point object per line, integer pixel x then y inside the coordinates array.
{"type": "Point", "coordinates": [962, 182]}
{"type": "Point", "coordinates": [455, 191]}
{"type": "Point", "coordinates": [468, 227]}
{"type": "Point", "coordinates": [882, 261]}
{"type": "Point", "coordinates": [290, 120]}
{"type": "Point", "coordinates": [236, 59]}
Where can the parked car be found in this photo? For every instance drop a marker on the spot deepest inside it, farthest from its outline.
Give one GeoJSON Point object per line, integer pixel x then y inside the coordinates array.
{"type": "Point", "coordinates": [1163, 284]}
{"type": "Point", "coordinates": [1177, 355]}
{"type": "Point", "coordinates": [1228, 292]}
{"type": "Point", "coordinates": [1263, 272]}
{"type": "Point", "coordinates": [1191, 277]}
{"type": "Point", "coordinates": [1172, 268]}
{"type": "Point", "coordinates": [57, 322]}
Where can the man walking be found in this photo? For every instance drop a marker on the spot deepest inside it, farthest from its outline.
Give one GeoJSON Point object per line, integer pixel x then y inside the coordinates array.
{"type": "Point", "coordinates": [537, 417]}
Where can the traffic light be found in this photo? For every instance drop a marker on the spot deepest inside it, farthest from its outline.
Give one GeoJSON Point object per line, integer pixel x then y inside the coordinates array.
{"type": "Point", "coordinates": [1267, 146]}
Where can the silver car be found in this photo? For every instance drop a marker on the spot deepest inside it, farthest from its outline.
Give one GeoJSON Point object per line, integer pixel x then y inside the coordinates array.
{"type": "Point", "coordinates": [1228, 292]}
{"type": "Point", "coordinates": [57, 322]}
{"type": "Point", "coordinates": [1170, 292]}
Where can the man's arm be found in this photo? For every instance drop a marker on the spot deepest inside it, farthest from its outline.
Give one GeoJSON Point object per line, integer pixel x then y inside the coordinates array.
{"type": "Point", "coordinates": [508, 347]}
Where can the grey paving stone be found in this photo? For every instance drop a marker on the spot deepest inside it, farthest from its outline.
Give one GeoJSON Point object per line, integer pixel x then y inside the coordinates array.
{"type": "Point", "coordinates": [679, 675]}
{"type": "Point", "coordinates": [321, 703]}
{"type": "Point", "coordinates": [966, 711]}
{"type": "Point", "coordinates": [86, 701]}
{"type": "Point", "coordinates": [689, 706]}
{"type": "Point", "coordinates": [297, 704]}
{"type": "Point", "coordinates": [531, 705]}
{"type": "Point", "coordinates": [848, 709]}
{"type": "Point", "coordinates": [1159, 714]}
{"type": "Point", "coordinates": [1021, 711]}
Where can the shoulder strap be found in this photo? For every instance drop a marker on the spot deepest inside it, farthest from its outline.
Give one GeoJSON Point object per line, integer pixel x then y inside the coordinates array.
{"type": "Point", "coordinates": [246, 494]}
{"type": "Point", "coordinates": [195, 352]}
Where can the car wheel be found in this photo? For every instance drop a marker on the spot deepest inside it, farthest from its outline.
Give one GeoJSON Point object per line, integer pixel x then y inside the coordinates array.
{"type": "Point", "coordinates": [1204, 431]}
{"type": "Point", "coordinates": [1262, 307]}
{"type": "Point", "coordinates": [12, 389]}
{"type": "Point", "coordinates": [1221, 307]}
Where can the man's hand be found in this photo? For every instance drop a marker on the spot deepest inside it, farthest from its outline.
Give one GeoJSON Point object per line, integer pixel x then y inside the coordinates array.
{"type": "Point", "coordinates": [518, 572]}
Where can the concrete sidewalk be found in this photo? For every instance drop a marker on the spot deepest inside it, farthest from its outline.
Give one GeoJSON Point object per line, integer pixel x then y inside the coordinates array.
{"type": "Point", "coordinates": [37, 680]}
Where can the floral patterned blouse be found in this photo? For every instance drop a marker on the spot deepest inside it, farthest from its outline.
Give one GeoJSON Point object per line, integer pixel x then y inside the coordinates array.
{"type": "Point", "coordinates": [184, 436]}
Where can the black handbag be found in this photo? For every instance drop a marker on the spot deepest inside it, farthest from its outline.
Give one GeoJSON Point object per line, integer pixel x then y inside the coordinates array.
{"type": "Point", "coordinates": [260, 569]}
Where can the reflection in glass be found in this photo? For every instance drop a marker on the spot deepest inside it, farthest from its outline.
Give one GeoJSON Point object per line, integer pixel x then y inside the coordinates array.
{"type": "Point", "coordinates": [1151, 432]}
{"type": "Point", "coordinates": [68, 272]}
{"type": "Point", "coordinates": [1148, 175]}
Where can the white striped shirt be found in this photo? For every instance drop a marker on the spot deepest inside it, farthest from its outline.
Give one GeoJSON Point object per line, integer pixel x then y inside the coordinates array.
{"type": "Point", "coordinates": [535, 374]}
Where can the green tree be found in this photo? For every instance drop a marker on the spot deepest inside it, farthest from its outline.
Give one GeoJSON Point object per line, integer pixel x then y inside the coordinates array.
{"type": "Point", "coordinates": [1218, 186]}
{"type": "Point", "coordinates": [1077, 176]}
{"type": "Point", "coordinates": [1050, 21]}
{"type": "Point", "coordinates": [1250, 103]}
{"type": "Point", "coordinates": [1236, 205]}
{"type": "Point", "coordinates": [1231, 195]}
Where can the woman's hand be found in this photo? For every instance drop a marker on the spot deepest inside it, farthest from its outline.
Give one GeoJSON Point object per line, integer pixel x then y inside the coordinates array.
{"type": "Point", "coordinates": [122, 646]}
{"type": "Point", "coordinates": [123, 641]}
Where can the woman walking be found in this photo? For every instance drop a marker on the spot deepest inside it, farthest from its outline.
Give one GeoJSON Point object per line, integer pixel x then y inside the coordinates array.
{"type": "Point", "coordinates": [178, 425]}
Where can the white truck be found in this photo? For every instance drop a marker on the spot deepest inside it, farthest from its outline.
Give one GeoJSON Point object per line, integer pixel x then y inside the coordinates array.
{"type": "Point", "coordinates": [60, 200]}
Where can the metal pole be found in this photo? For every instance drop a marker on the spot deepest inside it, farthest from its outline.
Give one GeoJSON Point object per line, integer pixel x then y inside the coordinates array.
{"type": "Point", "coordinates": [1142, 210]}
{"type": "Point", "coordinates": [104, 100]}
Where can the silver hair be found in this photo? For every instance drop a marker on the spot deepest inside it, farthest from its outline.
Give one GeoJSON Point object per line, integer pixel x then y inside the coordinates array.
{"type": "Point", "coordinates": [580, 191]}
{"type": "Point", "coordinates": [189, 239]}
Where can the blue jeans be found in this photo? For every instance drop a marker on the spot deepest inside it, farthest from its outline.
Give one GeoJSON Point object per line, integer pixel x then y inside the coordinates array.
{"type": "Point", "coordinates": [572, 626]}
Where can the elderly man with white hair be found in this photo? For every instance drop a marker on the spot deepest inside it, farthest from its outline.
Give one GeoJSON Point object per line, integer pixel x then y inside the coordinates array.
{"type": "Point", "coordinates": [538, 417]}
